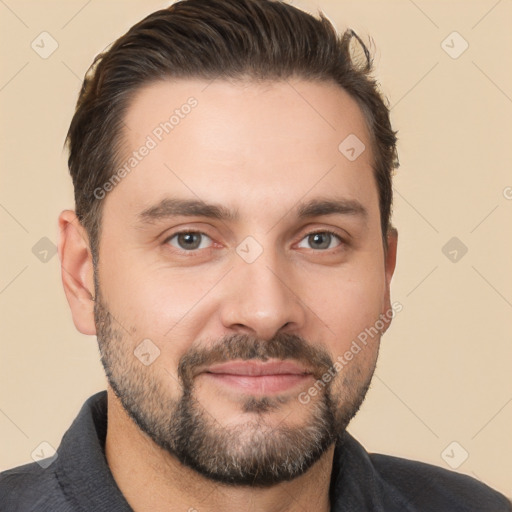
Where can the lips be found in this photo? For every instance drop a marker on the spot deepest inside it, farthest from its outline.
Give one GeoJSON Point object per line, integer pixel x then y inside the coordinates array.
{"type": "Point", "coordinates": [258, 368]}
{"type": "Point", "coordinates": [258, 377]}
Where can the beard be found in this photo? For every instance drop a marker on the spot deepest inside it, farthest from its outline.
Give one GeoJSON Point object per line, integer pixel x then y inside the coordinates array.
{"type": "Point", "coordinates": [252, 453]}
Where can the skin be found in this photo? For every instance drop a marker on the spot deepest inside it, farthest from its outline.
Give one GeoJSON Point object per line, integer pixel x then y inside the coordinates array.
{"type": "Point", "coordinates": [257, 149]}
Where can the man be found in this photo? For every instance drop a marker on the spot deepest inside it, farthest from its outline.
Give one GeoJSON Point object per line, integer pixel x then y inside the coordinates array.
{"type": "Point", "coordinates": [232, 250]}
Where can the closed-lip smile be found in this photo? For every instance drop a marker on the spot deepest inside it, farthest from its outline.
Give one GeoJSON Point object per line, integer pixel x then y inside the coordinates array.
{"type": "Point", "coordinates": [259, 377]}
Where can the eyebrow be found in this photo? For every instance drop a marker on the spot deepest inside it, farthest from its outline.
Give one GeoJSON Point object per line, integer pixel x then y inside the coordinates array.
{"type": "Point", "coordinates": [173, 207]}
{"type": "Point", "coordinates": [319, 207]}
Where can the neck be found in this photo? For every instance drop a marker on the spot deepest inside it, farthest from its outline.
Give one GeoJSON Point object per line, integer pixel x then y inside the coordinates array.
{"type": "Point", "coordinates": [152, 479]}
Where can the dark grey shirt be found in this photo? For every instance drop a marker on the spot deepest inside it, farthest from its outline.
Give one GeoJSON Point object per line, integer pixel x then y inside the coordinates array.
{"type": "Point", "coordinates": [80, 480]}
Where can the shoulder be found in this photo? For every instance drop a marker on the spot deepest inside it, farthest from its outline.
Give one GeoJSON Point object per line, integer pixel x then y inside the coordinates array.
{"type": "Point", "coordinates": [31, 487]}
{"type": "Point", "coordinates": [431, 488]}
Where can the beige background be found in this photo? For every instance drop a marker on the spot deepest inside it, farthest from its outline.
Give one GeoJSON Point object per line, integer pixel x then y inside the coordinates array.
{"type": "Point", "coordinates": [444, 373]}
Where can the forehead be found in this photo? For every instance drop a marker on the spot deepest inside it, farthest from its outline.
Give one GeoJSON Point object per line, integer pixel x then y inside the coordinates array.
{"type": "Point", "coordinates": [245, 142]}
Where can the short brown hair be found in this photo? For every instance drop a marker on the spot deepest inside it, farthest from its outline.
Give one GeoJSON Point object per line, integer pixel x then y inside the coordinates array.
{"type": "Point", "coordinates": [207, 39]}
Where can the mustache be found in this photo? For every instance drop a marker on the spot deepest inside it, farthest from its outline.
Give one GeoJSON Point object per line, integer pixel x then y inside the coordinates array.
{"type": "Point", "coordinates": [242, 346]}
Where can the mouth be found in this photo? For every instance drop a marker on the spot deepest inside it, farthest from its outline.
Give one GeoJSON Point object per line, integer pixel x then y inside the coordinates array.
{"type": "Point", "coordinates": [259, 377]}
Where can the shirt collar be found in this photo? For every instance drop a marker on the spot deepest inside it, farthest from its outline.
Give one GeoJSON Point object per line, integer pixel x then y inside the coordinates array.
{"type": "Point", "coordinates": [81, 467]}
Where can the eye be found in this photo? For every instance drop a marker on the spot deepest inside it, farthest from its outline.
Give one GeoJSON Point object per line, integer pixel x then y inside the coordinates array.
{"type": "Point", "coordinates": [189, 240]}
{"type": "Point", "coordinates": [321, 240]}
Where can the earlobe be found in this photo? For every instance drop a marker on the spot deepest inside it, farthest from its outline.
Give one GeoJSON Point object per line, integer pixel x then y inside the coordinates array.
{"type": "Point", "coordinates": [77, 271]}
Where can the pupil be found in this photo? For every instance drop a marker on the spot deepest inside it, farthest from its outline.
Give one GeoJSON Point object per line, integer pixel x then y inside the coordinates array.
{"type": "Point", "coordinates": [189, 240]}
{"type": "Point", "coordinates": [318, 237]}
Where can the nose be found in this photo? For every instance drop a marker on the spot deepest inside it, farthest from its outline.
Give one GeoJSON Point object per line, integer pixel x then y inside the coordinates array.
{"type": "Point", "coordinates": [262, 299]}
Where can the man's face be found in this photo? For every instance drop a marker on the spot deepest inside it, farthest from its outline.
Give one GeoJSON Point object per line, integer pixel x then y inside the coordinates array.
{"type": "Point", "coordinates": [244, 311]}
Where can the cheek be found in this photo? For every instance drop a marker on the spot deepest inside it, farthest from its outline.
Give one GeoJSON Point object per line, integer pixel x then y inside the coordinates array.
{"type": "Point", "coordinates": [350, 304]}
{"type": "Point", "coordinates": [156, 304]}
{"type": "Point", "coordinates": [144, 295]}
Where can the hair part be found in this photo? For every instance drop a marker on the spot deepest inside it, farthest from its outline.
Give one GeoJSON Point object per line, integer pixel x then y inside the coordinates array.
{"type": "Point", "coordinates": [258, 40]}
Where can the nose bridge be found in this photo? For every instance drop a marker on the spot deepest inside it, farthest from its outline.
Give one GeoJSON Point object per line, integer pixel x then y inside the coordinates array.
{"type": "Point", "coordinates": [261, 298]}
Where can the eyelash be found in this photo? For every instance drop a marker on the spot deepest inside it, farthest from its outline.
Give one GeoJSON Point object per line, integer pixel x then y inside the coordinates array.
{"type": "Point", "coordinates": [195, 252]}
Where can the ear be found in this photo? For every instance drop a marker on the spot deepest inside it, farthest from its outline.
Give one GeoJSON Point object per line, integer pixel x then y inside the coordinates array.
{"type": "Point", "coordinates": [77, 271]}
{"type": "Point", "coordinates": [389, 268]}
